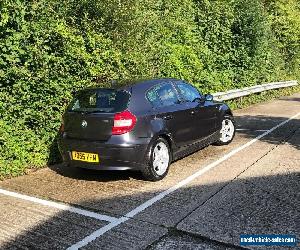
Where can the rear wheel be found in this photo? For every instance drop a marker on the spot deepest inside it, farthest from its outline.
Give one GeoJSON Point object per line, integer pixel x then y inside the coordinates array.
{"type": "Point", "coordinates": [227, 131]}
{"type": "Point", "coordinates": [158, 166]}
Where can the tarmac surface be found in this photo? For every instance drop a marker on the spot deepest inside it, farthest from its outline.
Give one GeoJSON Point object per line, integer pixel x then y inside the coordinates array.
{"type": "Point", "coordinates": [207, 200]}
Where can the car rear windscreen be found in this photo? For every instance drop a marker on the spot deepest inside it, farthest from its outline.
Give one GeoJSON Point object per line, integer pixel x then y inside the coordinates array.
{"type": "Point", "coordinates": [100, 100]}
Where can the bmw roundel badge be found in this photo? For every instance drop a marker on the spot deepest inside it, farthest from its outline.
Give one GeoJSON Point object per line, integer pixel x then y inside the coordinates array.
{"type": "Point", "coordinates": [84, 124]}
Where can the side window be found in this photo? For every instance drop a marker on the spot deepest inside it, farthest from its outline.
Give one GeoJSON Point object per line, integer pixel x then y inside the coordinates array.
{"type": "Point", "coordinates": [162, 95]}
{"type": "Point", "coordinates": [188, 92]}
{"type": "Point", "coordinates": [153, 97]}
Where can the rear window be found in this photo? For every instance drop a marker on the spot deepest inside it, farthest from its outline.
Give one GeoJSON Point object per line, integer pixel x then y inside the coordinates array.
{"type": "Point", "coordinates": [100, 100]}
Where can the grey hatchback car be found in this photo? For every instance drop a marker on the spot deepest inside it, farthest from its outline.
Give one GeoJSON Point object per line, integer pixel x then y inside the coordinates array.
{"type": "Point", "coordinates": [143, 126]}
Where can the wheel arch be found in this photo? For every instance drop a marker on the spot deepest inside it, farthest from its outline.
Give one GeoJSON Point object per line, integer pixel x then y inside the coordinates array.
{"type": "Point", "coordinates": [224, 110]}
{"type": "Point", "coordinates": [170, 141]}
{"type": "Point", "coordinates": [166, 136]}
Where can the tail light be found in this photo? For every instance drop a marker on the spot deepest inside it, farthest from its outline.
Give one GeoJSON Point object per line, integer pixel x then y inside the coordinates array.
{"type": "Point", "coordinates": [123, 122]}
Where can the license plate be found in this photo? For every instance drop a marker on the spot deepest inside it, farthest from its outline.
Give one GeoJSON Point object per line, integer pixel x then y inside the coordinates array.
{"type": "Point", "coordinates": [87, 157]}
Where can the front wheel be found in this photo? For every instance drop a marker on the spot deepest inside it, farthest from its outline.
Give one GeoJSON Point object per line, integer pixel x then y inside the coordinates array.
{"type": "Point", "coordinates": [158, 166]}
{"type": "Point", "coordinates": [227, 131]}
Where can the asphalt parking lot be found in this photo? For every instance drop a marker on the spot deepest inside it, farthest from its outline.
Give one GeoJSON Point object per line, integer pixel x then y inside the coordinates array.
{"type": "Point", "coordinates": [207, 200]}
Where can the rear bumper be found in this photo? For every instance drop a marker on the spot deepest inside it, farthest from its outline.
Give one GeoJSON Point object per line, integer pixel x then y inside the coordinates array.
{"type": "Point", "coordinates": [112, 156]}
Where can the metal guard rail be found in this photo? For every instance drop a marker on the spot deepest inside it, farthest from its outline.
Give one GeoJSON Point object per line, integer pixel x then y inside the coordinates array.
{"type": "Point", "coordinates": [236, 93]}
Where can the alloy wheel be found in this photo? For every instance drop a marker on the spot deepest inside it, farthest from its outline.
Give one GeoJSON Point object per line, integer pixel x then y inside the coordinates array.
{"type": "Point", "coordinates": [161, 158]}
{"type": "Point", "coordinates": [227, 130]}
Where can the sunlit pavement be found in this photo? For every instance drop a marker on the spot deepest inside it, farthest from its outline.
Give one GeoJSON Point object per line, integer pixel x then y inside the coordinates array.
{"type": "Point", "coordinates": [255, 191]}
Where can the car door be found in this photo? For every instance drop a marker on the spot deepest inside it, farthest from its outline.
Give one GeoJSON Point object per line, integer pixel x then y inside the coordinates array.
{"type": "Point", "coordinates": [165, 100]}
{"type": "Point", "coordinates": [203, 112]}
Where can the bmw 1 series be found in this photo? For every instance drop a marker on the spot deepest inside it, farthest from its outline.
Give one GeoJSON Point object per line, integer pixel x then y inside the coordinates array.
{"type": "Point", "coordinates": [141, 126]}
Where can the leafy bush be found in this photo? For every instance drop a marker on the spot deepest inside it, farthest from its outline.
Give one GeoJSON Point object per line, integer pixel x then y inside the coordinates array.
{"type": "Point", "coordinates": [50, 48]}
{"type": "Point", "coordinates": [285, 23]}
{"type": "Point", "coordinates": [20, 149]}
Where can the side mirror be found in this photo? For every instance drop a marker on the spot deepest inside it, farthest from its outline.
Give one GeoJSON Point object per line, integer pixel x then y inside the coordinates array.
{"type": "Point", "coordinates": [199, 99]}
{"type": "Point", "coordinates": [209, 97]}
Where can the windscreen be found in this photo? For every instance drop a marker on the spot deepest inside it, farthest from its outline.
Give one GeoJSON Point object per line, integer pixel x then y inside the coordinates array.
{"type": "Point", "coordinates": [100, 100]}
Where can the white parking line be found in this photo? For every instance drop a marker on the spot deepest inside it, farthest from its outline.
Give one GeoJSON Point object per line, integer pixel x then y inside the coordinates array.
{"type": "Point", "coordinates": [161, 195]}
{"type": "Point", "coordinates": [59, 206]}
{"type": "Point", "coordinates": [254, 130]}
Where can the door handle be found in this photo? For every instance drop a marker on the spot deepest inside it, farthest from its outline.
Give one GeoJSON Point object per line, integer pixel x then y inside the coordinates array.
{"type": "Point", "coordinates": [168, 117]}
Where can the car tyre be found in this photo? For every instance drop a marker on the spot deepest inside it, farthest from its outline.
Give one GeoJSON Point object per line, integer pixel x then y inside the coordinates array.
{"type": "Point", "coordinates": [227, 131]}
{"type": "Point", "coordinates": [159, 162]}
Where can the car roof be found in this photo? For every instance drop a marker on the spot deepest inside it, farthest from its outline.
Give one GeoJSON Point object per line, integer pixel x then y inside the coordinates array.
{"type": "Point", "coordinates": [140, 84]}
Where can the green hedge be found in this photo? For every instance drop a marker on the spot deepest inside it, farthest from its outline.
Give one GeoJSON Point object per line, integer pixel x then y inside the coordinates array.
{"type": "Point", "coordinates": [50, 48]}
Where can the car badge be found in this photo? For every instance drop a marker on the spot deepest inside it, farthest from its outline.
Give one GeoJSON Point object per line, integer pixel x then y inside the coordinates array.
{"type": "Point", "coordinates": [84, 124]}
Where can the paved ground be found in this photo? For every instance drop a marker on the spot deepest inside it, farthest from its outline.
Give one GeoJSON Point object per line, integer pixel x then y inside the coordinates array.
{"type": "Point", "coordinates": [250, 186]}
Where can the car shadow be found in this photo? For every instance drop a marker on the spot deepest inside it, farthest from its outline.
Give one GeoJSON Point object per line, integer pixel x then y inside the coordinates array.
{"type": "Point", "coordinates": [94, 175]}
